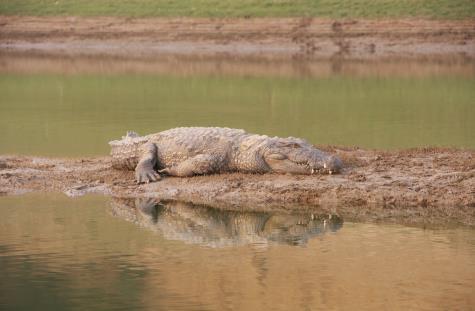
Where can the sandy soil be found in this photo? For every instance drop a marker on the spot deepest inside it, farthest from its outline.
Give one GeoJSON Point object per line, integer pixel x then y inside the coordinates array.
{"type": "Point", "coordinates": [303, 38]}
{"type": "Point", "coordinates": [428, 186]}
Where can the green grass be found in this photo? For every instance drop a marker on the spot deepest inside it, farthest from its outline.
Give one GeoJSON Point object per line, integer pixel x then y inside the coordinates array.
{"type": "Point", "coordinates": [433, 9]}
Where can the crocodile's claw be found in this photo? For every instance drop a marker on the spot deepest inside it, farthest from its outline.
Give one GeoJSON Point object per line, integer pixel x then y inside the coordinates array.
{"type": "Point", "coordinates": [146, 176]}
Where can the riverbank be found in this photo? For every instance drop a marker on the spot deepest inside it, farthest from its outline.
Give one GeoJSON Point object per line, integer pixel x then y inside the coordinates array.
{"type": "Point", "coordinates": [416, 186]}
{"type": "Point", "coordinates": [271, 38]}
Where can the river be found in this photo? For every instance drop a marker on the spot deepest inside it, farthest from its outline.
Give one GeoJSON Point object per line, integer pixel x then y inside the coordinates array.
{"type": "Point", "coordinates": [102, 253]}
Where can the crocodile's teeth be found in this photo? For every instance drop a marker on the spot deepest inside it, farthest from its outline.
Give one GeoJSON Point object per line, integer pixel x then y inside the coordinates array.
{"type": "Point", "coordinates": [324, 165]}
{"type": "Point", "coordinates": [330, 172]}
{"type": "Point", "coordinates": [313, 171]}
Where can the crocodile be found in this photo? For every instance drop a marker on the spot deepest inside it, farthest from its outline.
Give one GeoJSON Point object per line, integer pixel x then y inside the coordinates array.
{"type": "Point", "coordinates": [207, 226]}
{"type": "Point", "coordinates": [188, 151]}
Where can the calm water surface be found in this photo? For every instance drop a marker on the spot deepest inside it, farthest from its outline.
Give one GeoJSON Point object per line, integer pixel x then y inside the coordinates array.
{"type": "Point", "coordinates": [79, 254]}
{"type": "Point", "coordinates": [100, 254]}
{"type": "Point", "coordinates": [54, 107]}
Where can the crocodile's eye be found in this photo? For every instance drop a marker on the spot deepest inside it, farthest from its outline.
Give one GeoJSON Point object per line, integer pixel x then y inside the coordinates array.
{"type": "Point", "coordinates": [294, 145]}
{"type": "Point", "coordinates": [277, 156]}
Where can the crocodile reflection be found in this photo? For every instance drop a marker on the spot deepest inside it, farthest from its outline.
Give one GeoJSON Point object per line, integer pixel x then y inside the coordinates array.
{"type": "Point", "coordinates": [220, 228]}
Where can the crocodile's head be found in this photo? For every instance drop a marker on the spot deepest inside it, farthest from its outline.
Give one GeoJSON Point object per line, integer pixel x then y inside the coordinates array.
{"type": "Point", "coordinates": [296, 156]}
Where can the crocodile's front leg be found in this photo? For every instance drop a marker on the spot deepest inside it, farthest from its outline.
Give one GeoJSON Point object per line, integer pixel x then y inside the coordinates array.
{"type": "Point", "coordinates": [198, 165]}
{"type": "Point", "coordinates": [144, 171]}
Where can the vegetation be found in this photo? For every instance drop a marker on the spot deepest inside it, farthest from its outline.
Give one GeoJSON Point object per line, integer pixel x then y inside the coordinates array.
{"type": "Point", "coordinates": [435, 9]}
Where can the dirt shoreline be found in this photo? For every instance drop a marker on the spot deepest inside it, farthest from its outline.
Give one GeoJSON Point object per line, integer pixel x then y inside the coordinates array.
{"type": "Point", "coordinates": [301, 38]}
{"type": "Point", "coordinates": [416, 186]}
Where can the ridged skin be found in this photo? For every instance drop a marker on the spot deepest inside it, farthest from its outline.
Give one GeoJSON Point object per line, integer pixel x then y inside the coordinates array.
{"type": "Point", "coordinates": [190, 151]}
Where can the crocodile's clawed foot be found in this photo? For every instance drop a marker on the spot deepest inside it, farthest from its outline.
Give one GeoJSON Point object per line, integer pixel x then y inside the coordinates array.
{"type": "Point", "coordinates": [146, 176]}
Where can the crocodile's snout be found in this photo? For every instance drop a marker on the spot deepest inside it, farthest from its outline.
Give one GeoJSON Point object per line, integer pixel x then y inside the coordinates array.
{"type": "Point", "coordinates": [298, 157]}
{"type": "Point", "coordinates": [333, 165]}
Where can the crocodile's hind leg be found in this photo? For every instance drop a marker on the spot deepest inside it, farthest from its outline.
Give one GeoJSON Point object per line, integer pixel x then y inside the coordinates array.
{"type": "Point", "coordinates": [198, 165]}
{"type": "Point", "coordinates": [144, 171]}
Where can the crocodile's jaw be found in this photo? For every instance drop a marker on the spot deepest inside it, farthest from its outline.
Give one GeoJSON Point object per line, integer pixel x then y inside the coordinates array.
{"type": "Point", "coordinates": [286, 166]}
{"type": "Point", "coordinates": [329, 165]}
{"type": "Point", "coordinates": [296, 156]}
{"type": "Point", "coordinates": [332, 165]}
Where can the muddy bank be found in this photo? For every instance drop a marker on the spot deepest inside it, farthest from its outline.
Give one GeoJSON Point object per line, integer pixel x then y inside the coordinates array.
{"type": "Point", "coordinates": [303, 38]}
{"type": "Point", "coordinates": [411, 186]}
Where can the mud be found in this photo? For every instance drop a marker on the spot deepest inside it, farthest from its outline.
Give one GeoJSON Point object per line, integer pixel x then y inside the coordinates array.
{"type": "Point", "coordinates": [301, 38]}
{"type": "Point", "coordinates": [416, 186]}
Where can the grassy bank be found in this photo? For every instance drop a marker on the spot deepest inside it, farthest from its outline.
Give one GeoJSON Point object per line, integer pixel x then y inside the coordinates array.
{"type": "Point", "coordinates": [434, 9]}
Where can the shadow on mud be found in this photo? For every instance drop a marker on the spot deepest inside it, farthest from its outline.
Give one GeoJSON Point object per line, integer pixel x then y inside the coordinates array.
{"type": "Point", "coordinates": [213, 227]}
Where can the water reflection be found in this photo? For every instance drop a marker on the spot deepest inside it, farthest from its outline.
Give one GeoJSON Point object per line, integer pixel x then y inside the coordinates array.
{"type": "Point", "coordinates": [74, 106]}
{"type": "Point", "coordinates": [221, 228]}
{"type": "Point", "coordinates": [58, 253]}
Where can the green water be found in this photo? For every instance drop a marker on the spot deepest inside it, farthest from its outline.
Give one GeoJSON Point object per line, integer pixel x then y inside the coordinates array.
{"type": "Point", "coordinates": [95, 253]}
{"type": "Point", "coordinates": [77, 114]}
{"type": "Point", "coordinates": [58, 253]}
